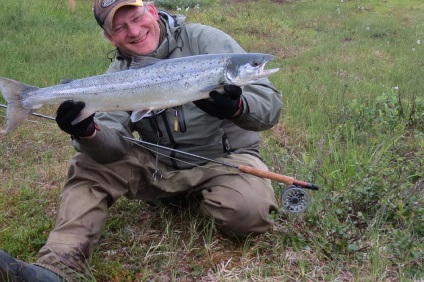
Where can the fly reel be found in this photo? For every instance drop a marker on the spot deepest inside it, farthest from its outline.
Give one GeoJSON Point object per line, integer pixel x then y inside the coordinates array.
{"type": "Point", "coordinates": [295, 199]}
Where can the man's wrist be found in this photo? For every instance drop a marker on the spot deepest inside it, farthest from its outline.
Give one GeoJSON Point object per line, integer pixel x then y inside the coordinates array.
{"type": "Point", "coordinates": [240, 109]}
{"type": "Point", "coordinates": [90, 132]}
{"type": "Point", "coordinates": [88, 137]}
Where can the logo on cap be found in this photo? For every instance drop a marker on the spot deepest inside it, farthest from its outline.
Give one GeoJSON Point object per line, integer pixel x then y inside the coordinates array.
{"type": "Point", "coordinates": [107, 3]}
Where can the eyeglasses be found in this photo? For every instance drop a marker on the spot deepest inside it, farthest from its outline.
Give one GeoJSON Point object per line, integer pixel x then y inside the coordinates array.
{"type": "Point", "coordinates": [122, 28]}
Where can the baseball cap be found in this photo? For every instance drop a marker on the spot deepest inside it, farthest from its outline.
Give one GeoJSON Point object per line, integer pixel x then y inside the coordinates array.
{"type": "Point", "coordinates": [104, 10]}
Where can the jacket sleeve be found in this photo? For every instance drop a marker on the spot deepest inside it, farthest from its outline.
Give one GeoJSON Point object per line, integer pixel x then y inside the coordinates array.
{"type": "Point", "coordinates": [108, 145]}
{"type": "Point", "coordinates": [262, 106]}
{"type": "Point", "coordinates": [262, 101]}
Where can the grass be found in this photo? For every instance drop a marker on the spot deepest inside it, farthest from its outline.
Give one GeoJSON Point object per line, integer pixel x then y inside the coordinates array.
{"type": "Point", "coordinates": [351, 78]}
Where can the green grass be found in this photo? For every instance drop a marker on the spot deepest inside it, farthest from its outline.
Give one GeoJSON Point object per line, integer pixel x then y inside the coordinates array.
{"type": "Point", "coordinates": [352, 79]}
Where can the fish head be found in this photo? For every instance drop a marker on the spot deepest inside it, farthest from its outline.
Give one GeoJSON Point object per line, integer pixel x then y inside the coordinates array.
{"type": "Point", "coordinates": [247, 68]}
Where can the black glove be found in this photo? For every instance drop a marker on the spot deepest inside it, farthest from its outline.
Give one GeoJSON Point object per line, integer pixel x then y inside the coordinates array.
{"type": "Point", "coordinates": [223, 105]}
{"type": "Point", "coordinates": [67, 112]}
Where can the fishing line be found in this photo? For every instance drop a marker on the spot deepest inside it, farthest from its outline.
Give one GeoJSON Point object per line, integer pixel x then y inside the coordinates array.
{"type": "Point", "coordinates": [226, 169]}
{"type": "Point", "coordinates": [132, 141]}
{"type": "Point", "coordinates": [136, 142]}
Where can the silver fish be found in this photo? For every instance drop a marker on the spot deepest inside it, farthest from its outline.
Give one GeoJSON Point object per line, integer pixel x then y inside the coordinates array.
{"type": "Point", "coordinates": [149, 84]}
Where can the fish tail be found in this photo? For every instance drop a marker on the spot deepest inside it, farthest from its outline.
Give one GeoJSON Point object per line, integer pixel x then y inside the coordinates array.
{"type": "Point", "coordinates": [12, 92]}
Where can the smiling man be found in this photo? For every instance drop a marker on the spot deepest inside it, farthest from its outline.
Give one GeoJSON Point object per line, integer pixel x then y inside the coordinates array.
{"type": "Point", "coordinates": [224, 128]}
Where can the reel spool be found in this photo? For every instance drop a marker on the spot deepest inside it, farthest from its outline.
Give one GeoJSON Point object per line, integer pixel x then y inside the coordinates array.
{"type": "Point", "coordinates": [295, 199]}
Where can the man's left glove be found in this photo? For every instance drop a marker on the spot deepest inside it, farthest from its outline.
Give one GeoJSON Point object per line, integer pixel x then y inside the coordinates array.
{"type": "Point", "coordinates": [67, 112]}
{"type": "Point", "coordinates": [224, 105]}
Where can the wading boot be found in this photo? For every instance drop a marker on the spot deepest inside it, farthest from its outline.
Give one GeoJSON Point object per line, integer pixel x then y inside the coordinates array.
{"type": "Point", "coordinates": [13, 270]}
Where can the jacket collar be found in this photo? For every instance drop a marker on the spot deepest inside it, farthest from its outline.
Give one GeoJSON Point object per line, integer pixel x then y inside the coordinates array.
{"type": "Point", "coordinates": [172, 27]}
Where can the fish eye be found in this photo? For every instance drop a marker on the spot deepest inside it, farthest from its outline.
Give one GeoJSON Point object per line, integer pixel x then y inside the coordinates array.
{"type": "Point", "coordinates": [256, 64]}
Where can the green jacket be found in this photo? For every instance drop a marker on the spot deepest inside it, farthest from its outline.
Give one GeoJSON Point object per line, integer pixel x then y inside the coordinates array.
{"type": "Point", "coordinates": [188, 128]}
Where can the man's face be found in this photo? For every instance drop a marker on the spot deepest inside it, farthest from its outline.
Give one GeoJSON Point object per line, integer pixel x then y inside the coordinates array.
{"type": "Point", "coordinates": [135, 30]}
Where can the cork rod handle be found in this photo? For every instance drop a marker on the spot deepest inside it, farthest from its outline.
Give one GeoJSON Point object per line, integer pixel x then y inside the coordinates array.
{"type": "Point", "coordinates": [276, 177]}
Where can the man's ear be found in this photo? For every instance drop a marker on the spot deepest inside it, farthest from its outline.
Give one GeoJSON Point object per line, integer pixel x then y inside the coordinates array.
{"type": "Point", "coordinates": [154, 11]}
{"type": "Point", "coordinates": [107, 35]}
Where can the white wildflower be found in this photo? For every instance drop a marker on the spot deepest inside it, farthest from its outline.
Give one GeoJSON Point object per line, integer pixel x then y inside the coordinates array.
{"type": "Point", "coordinates": [197, 8]}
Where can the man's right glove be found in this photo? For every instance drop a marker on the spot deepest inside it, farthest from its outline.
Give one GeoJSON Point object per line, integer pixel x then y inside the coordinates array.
{"type": "Point", "coordinates": [224, 105]}
{"type": "Point", "coordinates": [67, 112]}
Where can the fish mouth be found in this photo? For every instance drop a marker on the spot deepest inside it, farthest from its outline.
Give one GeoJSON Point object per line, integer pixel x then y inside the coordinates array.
{"type": "Point", "coordinates": [264, 73]}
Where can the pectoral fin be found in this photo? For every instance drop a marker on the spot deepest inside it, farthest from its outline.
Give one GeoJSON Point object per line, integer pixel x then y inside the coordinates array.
{"type": "Point", "coordinates": [212, 87]}
{"type": "Point", "coordinates": [85, 113]}
{"type": "Point", "coordinates": [136, 116]}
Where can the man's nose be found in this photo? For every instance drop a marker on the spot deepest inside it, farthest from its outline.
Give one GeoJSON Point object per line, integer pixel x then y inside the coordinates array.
{"type": "Point", "coordinates": [133, 29]}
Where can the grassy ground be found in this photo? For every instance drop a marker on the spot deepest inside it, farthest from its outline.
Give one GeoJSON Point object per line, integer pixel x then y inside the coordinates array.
{"type": "Point", "coordinates": [352, 80]}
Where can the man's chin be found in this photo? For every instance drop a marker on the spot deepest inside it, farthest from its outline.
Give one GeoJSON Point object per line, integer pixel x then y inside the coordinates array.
{"type": "Point", "coordinates": [142, 51]}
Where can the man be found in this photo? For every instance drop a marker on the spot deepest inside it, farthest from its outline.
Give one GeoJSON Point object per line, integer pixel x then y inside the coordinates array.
{"type": "Point", "coordinates": [107, 166]}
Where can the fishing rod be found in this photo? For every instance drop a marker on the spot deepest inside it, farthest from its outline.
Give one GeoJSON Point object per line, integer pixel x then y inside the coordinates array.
{"type": "Point", "coordinates": [294, 198]}
{"type": "Point", "coordinates": [242, 168]}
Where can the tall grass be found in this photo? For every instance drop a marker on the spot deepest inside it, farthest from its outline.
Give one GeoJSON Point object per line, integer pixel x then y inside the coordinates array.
{"type": "Point", "coordinates": [351, 78]}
